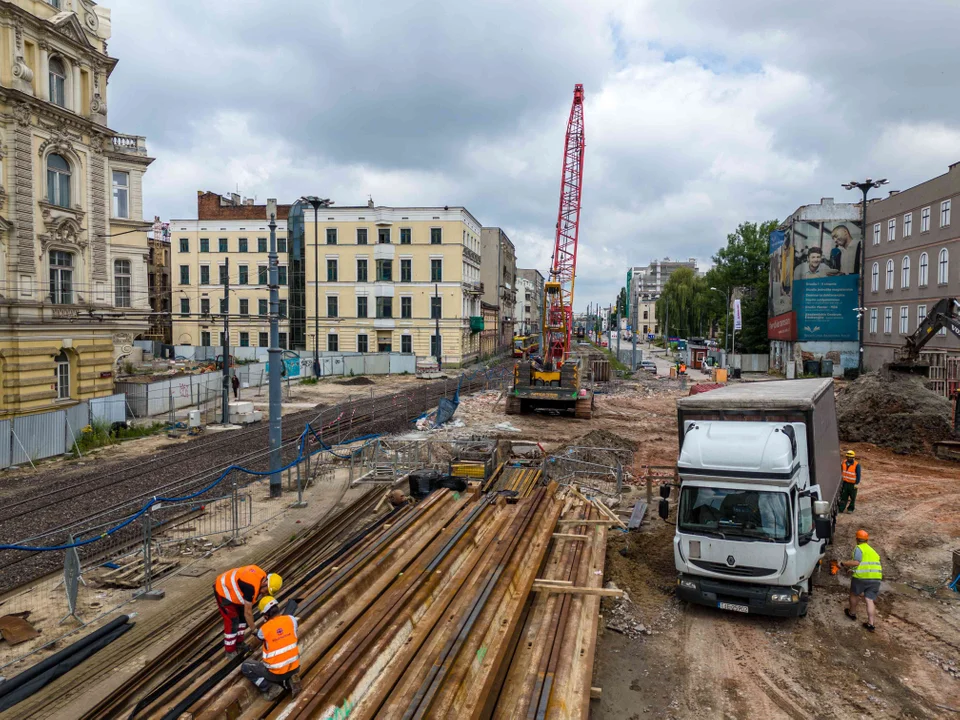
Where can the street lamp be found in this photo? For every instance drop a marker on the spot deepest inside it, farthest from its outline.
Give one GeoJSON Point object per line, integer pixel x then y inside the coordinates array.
{"type": "Point", "coordinates": [726, 316]}
{"type": "Point", "coordinates": [864, 186]}
{"type": "Point", "coordinates": [316, 203]}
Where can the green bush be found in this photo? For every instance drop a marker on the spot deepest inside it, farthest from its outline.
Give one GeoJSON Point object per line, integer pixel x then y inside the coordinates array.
{"type": "Point", "coordinates": [97, 434]}
{"type": "Point", "coordinates": [309, 381]}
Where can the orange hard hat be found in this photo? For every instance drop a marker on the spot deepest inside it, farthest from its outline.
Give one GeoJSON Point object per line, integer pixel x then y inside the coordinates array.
{"type": "Point", "coordinates": [862, 535]}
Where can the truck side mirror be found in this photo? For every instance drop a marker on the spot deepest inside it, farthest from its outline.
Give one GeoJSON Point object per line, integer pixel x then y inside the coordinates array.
{"type": "Point", "coordinates": [821, 507]}
{"type": "Point", "coordinates": [664, 508]}
{"type": "Point", "coordinates": [823, 526]}
{"type": "Point", "coordinates": [664, 491]}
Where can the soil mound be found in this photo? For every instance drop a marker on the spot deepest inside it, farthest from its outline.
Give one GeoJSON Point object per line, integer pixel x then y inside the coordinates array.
{"type": "Point", "coordinates": [356, 381]}
{"type": "Point", "coordinates": [893, 410]}
{"type": "Point", "coordinates": [601, 439]}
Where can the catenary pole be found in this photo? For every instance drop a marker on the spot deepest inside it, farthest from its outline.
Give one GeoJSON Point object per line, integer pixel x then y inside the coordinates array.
{"type": "Point", "coordinates": [276, 428]}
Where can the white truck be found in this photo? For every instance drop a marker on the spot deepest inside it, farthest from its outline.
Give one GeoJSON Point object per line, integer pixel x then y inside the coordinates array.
{"type": "Point", "coordinates": [759, 471]}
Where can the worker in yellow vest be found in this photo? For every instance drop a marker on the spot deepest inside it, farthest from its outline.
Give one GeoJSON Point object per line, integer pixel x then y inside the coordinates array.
{"type": "Point", "coordinates": [867, 574]}
{"type": "Point", "coordinates": [280, 661]}
{"type": "Point", "coordinates": [236, 591]}
{"type": "Point", "coordinates": [850, 474]}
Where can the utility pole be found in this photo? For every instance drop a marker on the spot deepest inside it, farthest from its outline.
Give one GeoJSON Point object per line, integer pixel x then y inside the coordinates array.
{"type": "Point", "coordinates": [436, 293]}
{"type": "Point", "coordinates": [225, 415]}
{"type": "Point", "coordinates": [276, 428]}
{"type": "Point", "coordinates": [316, 203]}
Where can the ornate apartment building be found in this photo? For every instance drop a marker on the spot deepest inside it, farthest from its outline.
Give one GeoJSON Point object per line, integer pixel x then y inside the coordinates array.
{"type": "Point", "coordinates": [73, 245]}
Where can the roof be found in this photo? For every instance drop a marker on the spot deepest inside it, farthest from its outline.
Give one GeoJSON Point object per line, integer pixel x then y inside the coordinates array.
{"type": "Point", "coordinates": [771, 395]}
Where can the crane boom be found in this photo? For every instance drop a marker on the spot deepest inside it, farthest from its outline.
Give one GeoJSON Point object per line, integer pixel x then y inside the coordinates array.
{"type": "Point", "coordinates": [558, 291]}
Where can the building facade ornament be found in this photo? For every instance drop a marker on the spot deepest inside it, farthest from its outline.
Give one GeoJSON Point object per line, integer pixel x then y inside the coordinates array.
{"type": "Point", "coordinates": [58, 143]}
{"type": "Point", "coordinates": [62, 230]}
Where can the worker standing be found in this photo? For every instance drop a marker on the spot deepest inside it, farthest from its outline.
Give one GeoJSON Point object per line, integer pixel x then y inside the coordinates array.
{"type": "Point", "coordinates": [850, 471]}
{"type": "Point", "coordinates": [281, 654]}
{"type": "Point", "coordinates": [236, 591]}
{"type": "Point", "coordinates": [867, 574]}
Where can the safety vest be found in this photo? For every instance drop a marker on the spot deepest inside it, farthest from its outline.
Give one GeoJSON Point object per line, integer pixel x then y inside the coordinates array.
{"type": "Point", "coordinates": [869, 567]}
{"type": "Point", "coordinates": [228, 588]}
{"type": "Point", "coordinates": [849, 471]}
{"type": "Point", "coordinates": [280, 652]}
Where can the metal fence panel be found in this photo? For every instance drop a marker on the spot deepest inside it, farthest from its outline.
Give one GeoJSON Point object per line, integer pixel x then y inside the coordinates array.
{"type": "Point", "coordinates": [402, 364]}
{"type": "Point", "coordinates": [376, 364]}
{"type": "Point", "coordinates": [76, 418]}
{"type": "Point", "coordinates": [5, 441]}
{"type": "Point", "coordinates": [352, 365]}
{"type": "Point", "coordinates": [109, 409]}
{"type": "Point", "coordinates": [38, 436]}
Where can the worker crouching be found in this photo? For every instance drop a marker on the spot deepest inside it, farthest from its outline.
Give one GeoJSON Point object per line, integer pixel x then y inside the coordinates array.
{"type": "Point", "coordinates": [278, 668]}
{"type": "Point", "coordinates": [235, 591]}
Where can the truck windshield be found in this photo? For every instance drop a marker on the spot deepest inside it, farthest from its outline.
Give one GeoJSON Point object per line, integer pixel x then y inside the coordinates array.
{"type": "Point", "coordinates": [730, 513]}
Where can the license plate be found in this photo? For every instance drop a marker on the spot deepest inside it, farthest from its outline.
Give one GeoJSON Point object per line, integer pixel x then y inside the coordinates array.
{"type": "Point", "coordinates": [735, 608]}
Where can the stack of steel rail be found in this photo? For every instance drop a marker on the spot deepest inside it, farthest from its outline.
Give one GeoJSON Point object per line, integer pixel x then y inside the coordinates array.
{"type": "Point", "coordinates": [439, 612]}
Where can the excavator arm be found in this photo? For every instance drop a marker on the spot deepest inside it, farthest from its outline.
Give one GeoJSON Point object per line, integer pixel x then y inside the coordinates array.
{"type": "Point", "coordinates": [945, 314]}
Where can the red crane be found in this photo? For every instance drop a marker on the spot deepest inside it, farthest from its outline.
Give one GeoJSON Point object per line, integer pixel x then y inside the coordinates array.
{"type": "Point", "coordinates": [558, 291]}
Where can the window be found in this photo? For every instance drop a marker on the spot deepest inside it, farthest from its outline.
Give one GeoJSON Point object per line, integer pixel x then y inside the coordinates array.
{"type": "Point", "coordinates": [922, 279]}
{"type": "Point", "coordinates": [61, 278]}
{"type": "Point", "coordinates": [361, 270]}
{"type": "Point", "coordinates": [436, 346]}
{"type": "Point", "coordinates": [63, 375]}
{"type": "Point", "coordinates": [889, 285]}
{"type": "Point", "coordinates": [58, 181]}
{"type": "Point", "coordinates": [945, 213]}
{"type": "Point", "coordinates": [282, 275]}
{"type": "Point", "coordinates": [264, 340]}
{"type": "Point", "coordinates": [242, 245]}
{"type": "Point", "coordinates": [58, 82]}
{"type": "Point", "coordinates": [121, 196]}
{"type": "Point", "coordinates": [331, 236]}
{"type": "Point", "coordinates": [925, 220]}
{"type": "Point", "coordinates": [436, 270]}
{"type": "Point", "coordinates": [333, 343]}
{"type": "Point", "coordinates": [331, 270]}
{"type": "Point", "coordinates": [262, 307]}
{"type": "Point", "coordinates": [362, 344]}
{"type": "Point", "coordinates": [281, 244]}
{"type": "Point", "coordinates": [261, 244]}
{"type": "Point", "coordinates": [907, 224]}
{"type": "Point", "coordinates": [332, 306]}
{"type": "Point", "coordinates": [891, 229]}
{"type": "Point", "coordinates": [204, 244]}
{"type": "Point", "coordinates": [204, 274]}
{"type": "Point", "coordinates": [244, 307]}
{"type": "Point", "coordinates": [261, 274]}
{"type": "Point", "coordinates": [384, 270]}
{"type": "Point", "coordinates": [282, 342]}
{"type": "Point", "coordinates": [362, 306]}
{"type": "Point", "coordinates": [204, 339]}
{"type": "Point", "coordinates": [54, 3]}
{"type": "Point", "coordinates": [904, 319]}
{"type": "Point", "coordinates": [406, 271]}
{"type": "Point", "coordinates": [873, 321]}
{"type": "Point", "coordinates": [185, 307]}
{"type": "Point", "coordinates": [223, 339]}
{"type": "Point", "coordinates": [888, 320]}
{"type": "Point", "coordinates": [184, 274]}
{"type": "Point", "coordinates": [224, 275]}
{"type": "Point", "coordinates": [905, 272]}
{"type": "Point", "coordinates": [943, 269]}
{"type": "Point", "coordinates": [361, 236]}
{"type": "Point", "coordinates": [406, 344]}
{"type": "Point", "coordinates": [204, 306]}
{"type": "Point", "coordinates": [224, 306]}
{"type": "Point", "coordinates": [223, 245]}
{"type": "Point", "coordinates": [244, 339]}
{"type": "Point", "coordinates": [384, 344]}
{"type": "Point", "coordinates": [384, 307]}
{"type": "Point", "coordinates": [436, 236]}
{"type": "Point", "coordinates": [121, 283]}
{"type": "Point", "coordinates": [876, 233]}
{"type": "Point", "coordinates": [406, 307]}
{"type": "Point", "coordinates": [383, 236]}
{"type": "Point", "coordinates": [184, 245]}
{"type": "Point", "coordinates": [921, 314]}
{"type": "Point", "coordinates": [243, 274]}
{"type": "Point", "coordinates": [436, 305]}
{"type": "Point", "coordinates": [282, 308]}
{"type": "Point", "coordinates": [406, 236]}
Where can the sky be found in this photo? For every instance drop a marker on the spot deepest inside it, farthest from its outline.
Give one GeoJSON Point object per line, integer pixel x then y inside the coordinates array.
{"type": "Point", "coordinates": [699, 114]}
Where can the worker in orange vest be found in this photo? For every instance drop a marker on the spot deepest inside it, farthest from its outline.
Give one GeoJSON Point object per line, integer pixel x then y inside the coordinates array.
{"type": "Point", "coordinates": [850, 474]}
{"type": "Point", "coordinates": [236, 591]}
{"type": "Point", "coordinates": [280, 661]}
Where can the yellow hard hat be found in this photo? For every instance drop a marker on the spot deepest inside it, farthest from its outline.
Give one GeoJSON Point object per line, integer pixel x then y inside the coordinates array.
{"type": "Point", "coordinates": [851, 453]}
{"type": "Point", "coordinates": [267, 602]}
{"type": "Point", "coordinates": [274, 583]}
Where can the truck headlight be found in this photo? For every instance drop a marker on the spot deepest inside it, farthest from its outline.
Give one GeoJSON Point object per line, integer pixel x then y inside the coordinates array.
{"type": "Point", "coordinates": [687, 584]}
{"type": "Point", "coordinates": [784, 597]}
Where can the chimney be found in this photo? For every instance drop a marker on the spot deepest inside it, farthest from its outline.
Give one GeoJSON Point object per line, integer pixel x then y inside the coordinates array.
{"type": "Point", "coordinates": [248, 202]}
{"type": "Point", "coordinates": [234, 199]}
{"type": "Point", "coordinates": [826, 201]}
{"type": "Point", "coordinates": [893, 192]}
{"type": "Point", "coordinates": [370, 202]}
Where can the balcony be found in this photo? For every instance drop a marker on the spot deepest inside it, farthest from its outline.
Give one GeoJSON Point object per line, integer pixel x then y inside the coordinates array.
{"type": "Point", "coordinates": [130, 144]}
{"type": "Point", "coordinates": [476, 324]}
{"type": "Point", "coordinates": [473, 288]}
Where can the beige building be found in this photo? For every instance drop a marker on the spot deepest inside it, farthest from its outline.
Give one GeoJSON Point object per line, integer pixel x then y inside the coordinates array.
{"type": "Point", "coordinates": [73, 245]}
{"type": "Point", "coordinates": [498, 274]}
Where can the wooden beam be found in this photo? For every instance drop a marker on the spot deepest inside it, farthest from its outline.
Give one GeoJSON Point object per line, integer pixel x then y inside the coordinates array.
{"type": "Point", "coordinates": [553, 583]}
{"type": "Point", "coordinates": [608, 521]}
{"type": "Point", "coordinates": [570, 590]}
{"type": "Point", "coordinates": [570, 536]}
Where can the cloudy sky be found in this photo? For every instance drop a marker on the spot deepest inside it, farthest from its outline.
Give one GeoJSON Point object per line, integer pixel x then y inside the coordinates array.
{"type": "Point", "coordinates": [700, 114]}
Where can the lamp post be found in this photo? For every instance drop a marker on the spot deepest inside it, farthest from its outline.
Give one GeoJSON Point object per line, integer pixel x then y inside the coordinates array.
{"type": "Point", "coordinates": [726, 315]}
{"type": "Point", "coordinates": [316, 203]}
{"type": "Point", "coordinates": [276, 429]}
{"type": "Point", "coordinates": [864, 187]}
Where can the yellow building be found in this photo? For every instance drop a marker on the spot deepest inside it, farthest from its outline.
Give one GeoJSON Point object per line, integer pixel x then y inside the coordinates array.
{"type": "Point", "coordinates": [389, 278]}
{"type": "Point", "coordinates": [73, 245]}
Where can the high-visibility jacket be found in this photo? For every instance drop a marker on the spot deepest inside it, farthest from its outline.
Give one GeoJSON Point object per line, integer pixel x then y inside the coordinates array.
{"type": "Point", "coordinates": [869, 567]}
{"type": "Point", "coordinates": [849, 471]}
{"type": "Point", "coordinates": [227, 585]}
{"type": "Point", "coordinates": [281, 653]}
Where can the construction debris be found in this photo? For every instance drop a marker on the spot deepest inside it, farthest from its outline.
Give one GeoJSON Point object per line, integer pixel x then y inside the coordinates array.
{"type": "Point", "coordinates": [15, 629]}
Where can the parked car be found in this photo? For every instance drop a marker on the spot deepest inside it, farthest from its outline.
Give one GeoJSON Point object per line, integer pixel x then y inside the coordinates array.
{"type": "Point", "coordinates": [649, 365]}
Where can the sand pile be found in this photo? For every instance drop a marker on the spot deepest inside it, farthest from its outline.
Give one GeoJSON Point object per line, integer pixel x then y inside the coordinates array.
{"type": "Point", "coordinates": [893, 410]}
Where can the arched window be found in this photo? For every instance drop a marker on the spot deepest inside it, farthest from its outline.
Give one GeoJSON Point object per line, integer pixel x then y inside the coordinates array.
{"type": "Point", "coordinates": [875, 277]}
{"type": "Point", "coordinates": [61, 278]}
{"type": "Point", "coordinates": [63, 375]}
{"type": "Point", "coordinates": [121, 283]}
{"type": "Point", "coordinates": [58, 82]}
{"type": "Point", "coordinates": [58, 181]}
{"type": "Point", "coordinates": [943, 267]}
{"type": "Point", "coordinates": [889, 274]}
{"type": "Point", "coordinates": [905, 272]}
{"type": "Point", "coordinates": [924, 270]}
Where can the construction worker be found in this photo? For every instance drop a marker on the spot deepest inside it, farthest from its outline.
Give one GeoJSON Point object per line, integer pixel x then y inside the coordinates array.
{"type": "Point", "coordinates": [236, 591]}
{"type": "Point", "coordinates": [867, 574]}
{"type": "Point", "coordinates": [850, 472]}
{"type": "Point", "coordinates": [281, 655]}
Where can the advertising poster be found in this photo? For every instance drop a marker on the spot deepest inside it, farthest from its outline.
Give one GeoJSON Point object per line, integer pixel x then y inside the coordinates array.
{"type": "Point", "coordinates": [737, 315]}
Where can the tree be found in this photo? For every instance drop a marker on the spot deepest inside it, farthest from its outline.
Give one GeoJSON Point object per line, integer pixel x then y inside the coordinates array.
{"type": "Point", "coordinates": [685, 308]}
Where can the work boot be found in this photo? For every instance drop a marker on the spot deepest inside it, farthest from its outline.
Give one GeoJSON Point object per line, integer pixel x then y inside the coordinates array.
{"type": "Point", "coordinates": [273, 692]}
{"type": "Point", "coordinates": [294, 682]}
